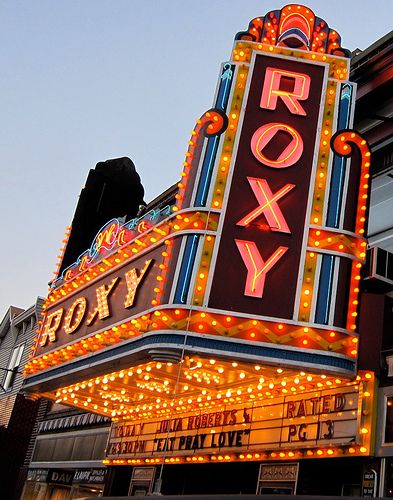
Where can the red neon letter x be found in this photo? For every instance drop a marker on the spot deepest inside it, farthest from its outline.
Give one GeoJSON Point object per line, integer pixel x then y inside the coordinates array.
{"type": "Point", "coordinates": [257, 268]}
{"type": "Point", "coordinates": [267, 205]}
{"type": "Point", "coordinates": [271, 90]}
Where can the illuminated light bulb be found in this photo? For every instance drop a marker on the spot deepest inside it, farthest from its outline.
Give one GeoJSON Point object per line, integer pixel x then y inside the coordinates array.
{"type": "Point", "coordinates": [363, 449]}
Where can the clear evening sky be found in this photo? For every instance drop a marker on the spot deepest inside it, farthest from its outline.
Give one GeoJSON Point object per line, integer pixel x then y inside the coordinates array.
{"type": "Point", "coordinates": [85, 81]}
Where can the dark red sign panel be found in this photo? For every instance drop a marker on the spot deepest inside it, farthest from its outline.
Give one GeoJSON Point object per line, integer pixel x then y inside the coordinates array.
{"type": "Point", "coordinates": [257, 265]}
{"type": "Point", "coordinates": [117, 296]}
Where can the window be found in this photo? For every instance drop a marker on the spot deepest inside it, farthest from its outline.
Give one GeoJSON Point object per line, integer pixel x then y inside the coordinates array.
{"type": "Point", "coordinates": [13, 366]}
{"type": "Point", "coordinates": [380, 224]}
{"type": "Point", "coordinates": [389, 420]}
{"type": "Point", "coordinates": [71, 447]}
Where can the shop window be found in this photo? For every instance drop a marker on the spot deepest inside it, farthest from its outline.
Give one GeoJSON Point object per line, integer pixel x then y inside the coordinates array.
{"type": "Point", "coordinates": [13, 367]}
{"type": "Point", "coordinates": [59, 493]}
{"type": "Point", "coordinates": [87, 492]}
{"type": "Point", "coordinates": [43, 451]}
{"type": "Point", "coordinates": [389, 420]}
{"type": "Point", "coordinates": [34, 491]}
{"type": "Point", "coordinates": [83, 447]}
{"type": "Point", "coordinates": [75, 448]}
{"type": "Point", "coordinates": [89, 447]}
{"type": "Point", "coordinates": [389, 478]}
{"type": "Point", "coordinates": [99, 447]}
{"type": "Point", "coordinates": [63, 449]}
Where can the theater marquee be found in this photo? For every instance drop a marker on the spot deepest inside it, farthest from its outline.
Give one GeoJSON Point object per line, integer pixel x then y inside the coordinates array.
{"type": "Point", "coordinates": [293, 424]}
{"type": "Point", "coordinates": [226, 317]}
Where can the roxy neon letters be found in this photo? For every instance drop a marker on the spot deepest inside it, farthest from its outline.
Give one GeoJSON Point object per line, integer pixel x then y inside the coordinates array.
{"type": "Point", "coordinates": [256, 265]}
{"type": "Point", "coordinates": [76, 313]}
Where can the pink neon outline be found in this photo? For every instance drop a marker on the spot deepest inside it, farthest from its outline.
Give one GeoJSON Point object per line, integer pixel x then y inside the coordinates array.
{"type": "Point", "coordinates": [271, 90]}
{"type": "Point", "coordinates": [257, 268]}
{"type": "Point", "coordinates": [264, 134]}
{"type": "Point", "coordinates": [267, 205]}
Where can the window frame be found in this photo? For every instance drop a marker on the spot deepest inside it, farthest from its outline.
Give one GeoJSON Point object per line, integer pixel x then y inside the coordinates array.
{"type": "Point", "coordinates": [12, 368]}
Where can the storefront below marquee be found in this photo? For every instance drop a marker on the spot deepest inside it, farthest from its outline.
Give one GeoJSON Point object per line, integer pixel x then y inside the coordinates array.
{"type": "Point", "coordinates": [335, 477]}
{"type": "Point", "coordinates": [206, 417]}
{"type": "Point", "coordinates": [64, 484]}
{"type": "Point", "coordinates": [67, 457]}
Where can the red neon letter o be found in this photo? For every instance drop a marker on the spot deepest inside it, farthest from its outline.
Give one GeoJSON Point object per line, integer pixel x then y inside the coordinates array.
{"type": "Point", "coordinates": [263, 135]}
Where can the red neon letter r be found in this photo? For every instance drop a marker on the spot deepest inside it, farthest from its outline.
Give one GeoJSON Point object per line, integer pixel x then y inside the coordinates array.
{"type": "Point", "coordinates": [271, 90]}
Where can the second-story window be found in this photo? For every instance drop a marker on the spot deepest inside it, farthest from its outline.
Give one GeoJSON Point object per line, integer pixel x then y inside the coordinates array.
{"type": "Point", "coordinates": [13, 367]}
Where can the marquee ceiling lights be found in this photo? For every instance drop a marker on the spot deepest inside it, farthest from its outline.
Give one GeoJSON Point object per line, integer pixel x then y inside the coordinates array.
{"type": "Point", "coordinates": [156, 389]}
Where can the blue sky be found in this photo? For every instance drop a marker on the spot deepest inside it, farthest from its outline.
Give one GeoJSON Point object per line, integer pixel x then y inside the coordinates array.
{"type": "Point", "coordinates": [85, 81]}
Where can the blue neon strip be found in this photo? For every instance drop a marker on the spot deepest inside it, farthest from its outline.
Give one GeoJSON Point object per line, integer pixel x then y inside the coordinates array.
{"type": "Point", "coordinates": [183, 283]}
{"type": "Point", "coordinates": [212, 144]}
{"type": "Point", "coordinates": [339, 163]}
{"type": "Point", "coordinates": [345, 106]}
{"type": "Point", "coordinates": [207, 171]}
{"type": "Point", "coordinates": [225, 87]}
{"type": "Point", "coordinates": [336, 191]}
{"type": "Point", "coordinates": [196, 343]}
{"type": "Point", "coordinates": [336, 194]}
{"type": "Point", "coordinates": [324, 290]}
